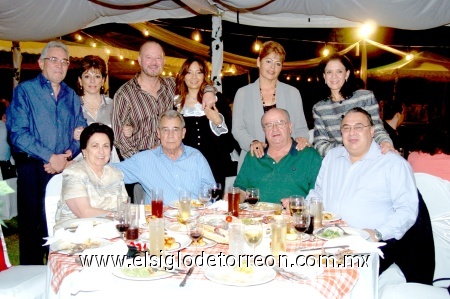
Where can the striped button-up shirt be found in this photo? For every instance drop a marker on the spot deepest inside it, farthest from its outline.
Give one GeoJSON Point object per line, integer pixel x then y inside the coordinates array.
{"type": "Point", "coordinates": [138, 108]}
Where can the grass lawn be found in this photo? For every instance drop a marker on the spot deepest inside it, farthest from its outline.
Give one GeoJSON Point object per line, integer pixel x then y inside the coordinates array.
{"type": "Point", "coordinates": [11, 234]}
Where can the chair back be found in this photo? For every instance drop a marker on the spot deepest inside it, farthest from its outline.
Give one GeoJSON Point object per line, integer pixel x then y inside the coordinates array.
{"type": "Point", "coordinates": [52, 196]}
{"type": "Point", "coordinates": [436, 194]}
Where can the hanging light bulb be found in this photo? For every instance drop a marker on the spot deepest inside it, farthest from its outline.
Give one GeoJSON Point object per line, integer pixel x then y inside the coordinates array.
{"type": "Point", "coordinates": [409, 57]}
{"type": "Point", "coordinates": [196, 35]}
{"type": "Point", "coordinates": [298, 78]}
{"type": "Point", "coordinates": [326, 52]}
{"type": "Point", "coordinates": [108, 51]}
{"type": "Point", "coordinates": [121, 57]}
{"type": "Point", "coordinates": [288, 77]}
{"type": "Point", "coordinates": [94, 45]}
{"type": "Point", "coordinates": [78, 37]}
{"type": "Point", "coordinates": [146, 33]}
{"type": "Point", "coordinates": [132, 62]}
{"type": "Point", "coordinates": [256, 46]}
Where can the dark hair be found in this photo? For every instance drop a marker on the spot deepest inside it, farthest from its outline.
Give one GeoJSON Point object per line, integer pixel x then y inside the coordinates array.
{"type": "Point", "coordinates": [3, 105]}
{"type": "Point", "coordinates": [348, 88]}
{"type": "Point", "coordinates": [359, 83]}
{"type": "Point", "coordinates": [435, 140]}
{"type": "Point", "coordinates": [182, 89]}
{"type": "Point", "coordinates": [390, 108]}
{"type": "Point", "coordinates": [87, 63]}
{"type": "Point", "coordinates": [272, 47]}
{"type": "Point", "coordinates": [360, 110]}
{"type": "Point", "coordinates": [95, 128]}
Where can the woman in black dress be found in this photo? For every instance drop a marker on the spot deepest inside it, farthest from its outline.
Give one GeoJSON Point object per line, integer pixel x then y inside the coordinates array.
{"type": "Point", "coordinates": [206, 129]}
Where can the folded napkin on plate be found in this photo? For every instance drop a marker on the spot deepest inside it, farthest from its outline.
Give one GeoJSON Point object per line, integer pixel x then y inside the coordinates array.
{"type": "Point", "coordinates": [105, 230]}
{"type": "Point", "coordinates": [220, 205]}
{"type": "Point", "coordinates": [357, 244]}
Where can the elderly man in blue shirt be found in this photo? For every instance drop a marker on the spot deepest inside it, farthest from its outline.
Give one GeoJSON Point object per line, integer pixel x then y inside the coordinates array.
{"type": "Point", "coordinates": [171, 166]}
{"type": "Point", "coordinates": [377, 193]}
{"type": "Point", "coordinates": [41, 120]}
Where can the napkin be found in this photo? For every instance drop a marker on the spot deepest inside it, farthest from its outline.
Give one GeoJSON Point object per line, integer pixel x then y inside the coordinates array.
{"type": "Point", "coordinates": [220, 205]}
{"type": "Point", "coordinates": [113, 251]}
{"type": "Point", "coordinates": [357, 244]}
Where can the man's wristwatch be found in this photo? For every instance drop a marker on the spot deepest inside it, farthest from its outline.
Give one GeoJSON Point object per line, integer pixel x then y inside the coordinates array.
{"type": "Point", "coordinates": [378, 235]}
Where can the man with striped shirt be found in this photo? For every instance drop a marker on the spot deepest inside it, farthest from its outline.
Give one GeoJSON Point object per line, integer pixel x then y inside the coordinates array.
{"type": "Point", "coordinates": [142, 100]}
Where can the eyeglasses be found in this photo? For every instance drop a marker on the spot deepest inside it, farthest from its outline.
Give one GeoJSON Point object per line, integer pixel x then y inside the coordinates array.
{"type": "Point", "coordinates": [278, 123]}
{"type": "Point", "coordinates": [175, 130]}
{"type": "Point", "coordinates": [358, 128]}
{"type": "Point", "coordinates": [55, 60]}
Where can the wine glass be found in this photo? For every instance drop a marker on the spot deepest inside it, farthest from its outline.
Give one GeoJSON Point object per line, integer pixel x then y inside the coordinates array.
{"type": "Point", "coordinates": [204, 196]}
{"type": "Point", "coordinates": [195, 231]}
{"type": "Point", "coordinates": [301, 221]}
{"type": "Point", "coordinates": [122, 218]}
{"type": "Point", "coordinates": [215, 191]}
{"type": "Point", "coordinates": [296, 204]}
{"type": "Point", "coordinates": [252, 196]}
{"type": "Point", "coordinates": [253, 233]}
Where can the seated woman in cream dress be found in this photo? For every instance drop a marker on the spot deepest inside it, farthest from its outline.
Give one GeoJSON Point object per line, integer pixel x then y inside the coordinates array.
{"type": "Point", "coordinates": [91, 186]}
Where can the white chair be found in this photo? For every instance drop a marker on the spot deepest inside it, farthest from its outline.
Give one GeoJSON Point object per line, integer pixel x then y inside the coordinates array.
{"type": "Point", "coordinates": [392, 283]}
{"type": "Point", "coordinates": [22, 282]}
{"type": "Point", "coordinates": [52, 196]}
{"type": "Point", "coordinates": [8, 202]}
{"type": "Point", "coordinates": [229, 181]}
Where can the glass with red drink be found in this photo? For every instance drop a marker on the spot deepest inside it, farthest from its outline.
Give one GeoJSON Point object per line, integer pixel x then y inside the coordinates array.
{"type": "Point", "coordinates": [157, 202]}
{"type": "Point", "coordinates": [234, 197]}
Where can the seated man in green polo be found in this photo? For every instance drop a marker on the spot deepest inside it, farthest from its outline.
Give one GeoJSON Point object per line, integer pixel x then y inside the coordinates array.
{"type": "Point", "coordinates": [282, 171]}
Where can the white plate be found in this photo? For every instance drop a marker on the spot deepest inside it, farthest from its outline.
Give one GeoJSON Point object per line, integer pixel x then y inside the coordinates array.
{"type": "Point", "coordinates": [229, 276]}
{"type": "Point", "coordinates": [182, 240]}
{"type": "Point", "coordinates": [263, 207]}
{"type": "Point", "coordinates": [74, 223]}
{"type": "Point", "coordinates": [216, 220]}
{"type": "Point", "coordinates": [195, 204]}
{"type": "Point", "coordinates": [65, 246]}
{"type": "Point", "coordinates": [296, 237]}
{"type": "Point", "coordinates": [334, 217]}
{"type": "Point", "coordinates": [208, 243]}
{"type": "Point", "coordinates": [350, 230]}
{"type": "Point", "coordinates": [172, 214]}
{"type": "Point", "coordinates": [133, 274]}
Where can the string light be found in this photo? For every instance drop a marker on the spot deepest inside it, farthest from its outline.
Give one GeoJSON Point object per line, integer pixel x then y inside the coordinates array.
{"type": "Point", "coordinates": [196, 35]}
{"type": "Point", "coordinates": [298, 78]}
{"type": "Point", "coordinates": [108, 51]}
{"type": "Point", "coordinates": [409, 57]}
{"type": "Point", "coordinates": [256, 46]}
{"type": "Point", "coordinates": [325, 52]}
{"type": "Point", "coordinates": [94, 45]}
{"type": "Point", "coordinates": [132, 62]}
{"type": "Point", "coordinates": [146, 33]}
{"type": "Point", "coordinates": [78, 37]}
{"type": "Point", "coordinates": [288, 77]}
{"type": "Point", "coordinates": [121, 57]}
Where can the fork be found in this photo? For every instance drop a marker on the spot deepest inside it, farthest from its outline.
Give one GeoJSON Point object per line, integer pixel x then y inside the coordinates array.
{"type": "Point", "coordinates": [345, 233]}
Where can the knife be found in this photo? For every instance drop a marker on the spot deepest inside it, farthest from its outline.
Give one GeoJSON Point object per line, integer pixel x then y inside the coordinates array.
{"type": "Point", "coordinates": [316, 248]}
{"type": "Point", "coordinates": [183, 283]}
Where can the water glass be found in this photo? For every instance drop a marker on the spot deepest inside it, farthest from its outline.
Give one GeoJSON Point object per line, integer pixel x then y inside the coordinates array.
{"type": "Point", "coordinates": [156, 236]}
{"type": "Point", "coordinates": [236, 239]}
{"type": "Point", "coordinates": [316, 210]}
{"type": "Point", "coordinates": [157, 202]}
{"type": "Point", "coordinates": [184, 206]}
{"type": "Point", "coordinates": [278, 241]}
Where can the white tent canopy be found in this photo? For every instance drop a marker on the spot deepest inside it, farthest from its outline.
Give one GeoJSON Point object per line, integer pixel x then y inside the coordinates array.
{"type": "Point", "coordinates": [30, 20]}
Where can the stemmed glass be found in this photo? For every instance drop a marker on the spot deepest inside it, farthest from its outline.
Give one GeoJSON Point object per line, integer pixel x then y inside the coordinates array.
{"type": "Point", "coordinates": [252, 196]}
{"type": "Point", "coordinates": [195, 231]}
{"type": "Point", "coordinates": [122, 218]}
{"type": "Point", "coordinates": [215, 191]}
{"type": "Point", "coordinates": [204, 196]}
{"type": "Point", "coordinates": [301, 221]}
{"type": "Point", "coordinates": [253, 233]}
{"type": "Point", "coordinates": [296, 204]}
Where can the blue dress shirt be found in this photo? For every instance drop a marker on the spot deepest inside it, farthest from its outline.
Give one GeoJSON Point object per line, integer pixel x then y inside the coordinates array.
{"type": "Point", "coordinates": [41, 124]}
{"type": "Point", "coordinates": [376, 192]}
{"type": "Point", "coordinates": [153, 169]}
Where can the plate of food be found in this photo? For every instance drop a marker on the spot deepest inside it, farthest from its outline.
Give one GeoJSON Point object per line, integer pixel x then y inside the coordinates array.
{"type": "Point", "coordinates": [140, 273]}
{"type": "Point", "coordinates": [240, 276]}
{"type": "Point", "coordinates": [69, 246]}
{"type": "Point", "coordinates": [263, 207]}
{"type": "Point", "coordinates": [72, 224]}
{"type": "Point", "coordinates": [328, 217]}
{"type": "Point", "coordinates": [172, 214]}
{"type": "Point", "coordinates": [195, 204]}
{"type": "Point", "coordinates": [203, 243]}
{"type": "Point", "coordinates": [172, 242]}
{"type": "Point", "coordinates": [333, 232]}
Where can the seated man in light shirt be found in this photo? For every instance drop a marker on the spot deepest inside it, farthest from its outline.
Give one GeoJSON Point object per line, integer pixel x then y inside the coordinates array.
{"type": "Point", "coordinates": [377, 193]}
{"type": "Point", "coordinates": [283, 170]}
{"type": "Point", "coordinates": [171, 166]}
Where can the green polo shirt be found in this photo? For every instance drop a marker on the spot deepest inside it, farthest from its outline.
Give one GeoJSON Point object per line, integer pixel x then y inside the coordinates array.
{"type": "Point", "coordinates": [295, 173]}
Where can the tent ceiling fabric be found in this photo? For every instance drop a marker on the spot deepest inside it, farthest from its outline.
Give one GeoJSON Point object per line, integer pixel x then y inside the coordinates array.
{"type": "Point", "coordinates": [30, 20]}
{"type": "Point", "coordinates": [424, 65]}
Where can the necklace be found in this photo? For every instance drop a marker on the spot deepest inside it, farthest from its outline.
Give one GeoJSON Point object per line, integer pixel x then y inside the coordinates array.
{"type": "Point", "coordinates": [273, 96]}
{"type": "Point", "coordinates": [94, 110]}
